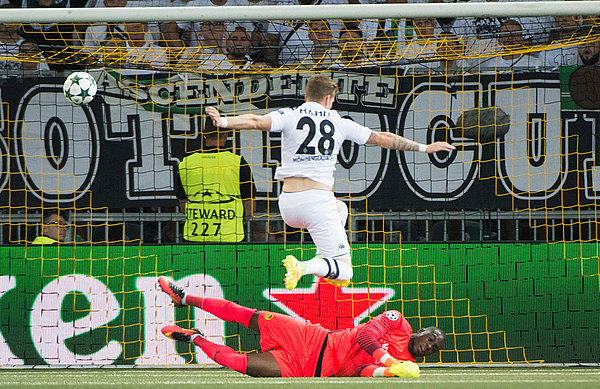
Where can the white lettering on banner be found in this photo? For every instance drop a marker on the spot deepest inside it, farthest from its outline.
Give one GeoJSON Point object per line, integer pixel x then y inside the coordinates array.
{"type": "Point", "coordinates": [348, 84]}
{"type": "Point", "coordinates": [251, 89]}
{"type": "Point", "coordinates": [591, 165]}
{"type": "Point", "coordinates": [158, 312]}
{"type": "Point", "coordinates": [4, 165]}
{"type": "Point", "coordinates": [7, 358]}
{"type": "Point", "coordinates": [192, 90]}
{"type": "Point", "coordinates": [379, 91]}
{"type": "Point", "coordinates": [57, 145]}
{"type": "Point", "coordinates": [149, 175]}
{"type": "Point", "coordinates": [131, 89]}
{"type": "Point", "coordinates": [431, 176]}
{"type": "Point", "coordinates": [163, 93]}
{"type": "Point", "coordinates": [183, 126]}
{"type": "Point", "coordinates": [50, 332]}
{"type": "Point", "coordinates": [532, 162]}
{"type": "Point", "coordinates": [289, 85]}
{"type": "Point", "coordinates": [375, 90]}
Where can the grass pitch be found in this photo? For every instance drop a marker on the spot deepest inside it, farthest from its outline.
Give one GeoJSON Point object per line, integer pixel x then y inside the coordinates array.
{"type": "Point", "coordinates": [446, 378]}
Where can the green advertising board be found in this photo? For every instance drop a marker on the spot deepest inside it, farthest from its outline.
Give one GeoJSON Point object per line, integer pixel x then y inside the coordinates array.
{"type": "Point", "coordinates": [82, 305]}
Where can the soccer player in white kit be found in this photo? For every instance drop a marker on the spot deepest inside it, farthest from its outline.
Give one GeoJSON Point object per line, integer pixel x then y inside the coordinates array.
{"type": "Point", "coordinates": [312, 135]}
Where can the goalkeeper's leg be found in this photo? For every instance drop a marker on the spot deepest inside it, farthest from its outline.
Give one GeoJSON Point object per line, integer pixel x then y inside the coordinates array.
{"type": "Point", "coordinates": [257, 365]}
{"type": "Point", "coordinates": [223, 309]}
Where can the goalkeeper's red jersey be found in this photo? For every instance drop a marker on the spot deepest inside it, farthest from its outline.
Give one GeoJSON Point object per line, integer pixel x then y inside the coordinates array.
{"type": "Point", "coordinates": [349, 350]}
{"type": "Point", "coordinates": [300, 350]}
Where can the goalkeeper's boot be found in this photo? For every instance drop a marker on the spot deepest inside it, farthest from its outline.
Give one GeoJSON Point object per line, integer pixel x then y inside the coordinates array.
{"type": "Point", "coordinates": [177, 333]}
{"type": "Point", "coordinates": [175, 292]}
{"type": "Point", "coordinates": [294, 270]}
{"type": "Point", "coordinates": [338, 283]}
{"type": "Point", "coordinates": [405, 369]}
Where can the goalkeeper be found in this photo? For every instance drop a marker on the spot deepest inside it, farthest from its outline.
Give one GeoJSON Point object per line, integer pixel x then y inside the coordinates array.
{"type": "Point", "coordinates": [383, 347]}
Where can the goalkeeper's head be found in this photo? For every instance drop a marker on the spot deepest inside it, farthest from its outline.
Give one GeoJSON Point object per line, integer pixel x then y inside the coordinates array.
{"type": "Point", "coordinates": [426, 341]}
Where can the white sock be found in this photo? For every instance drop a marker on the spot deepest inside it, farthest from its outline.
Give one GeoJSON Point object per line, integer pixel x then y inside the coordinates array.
{"type": "Point", "coordinates": [322, 266]}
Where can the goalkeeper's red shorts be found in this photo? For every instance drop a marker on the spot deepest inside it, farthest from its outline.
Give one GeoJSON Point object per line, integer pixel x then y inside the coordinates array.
{"type": "Point", "coordinates": [295, 343]}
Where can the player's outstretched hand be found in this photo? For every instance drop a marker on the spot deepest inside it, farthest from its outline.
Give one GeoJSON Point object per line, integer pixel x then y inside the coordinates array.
{"type": "Point", "coordinates": [439, 146]}
{"type": "Point", "coordinates": [215, 116]}
{"type": "Point", "coordinates": [405, 369]}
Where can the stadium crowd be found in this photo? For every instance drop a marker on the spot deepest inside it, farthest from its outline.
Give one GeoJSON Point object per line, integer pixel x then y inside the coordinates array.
{"type": "Point", "coordinates": [441, 46]}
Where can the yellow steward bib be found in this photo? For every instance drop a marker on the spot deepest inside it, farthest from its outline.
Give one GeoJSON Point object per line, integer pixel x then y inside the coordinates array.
{"type": "Point", "coordinates": [214, 209]}
{"type": "Point", "coordinates": [44, 240]}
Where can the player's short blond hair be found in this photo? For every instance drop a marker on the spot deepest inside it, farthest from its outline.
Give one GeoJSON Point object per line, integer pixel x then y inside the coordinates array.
{"type": "Point", "coordinates": [319, 87]}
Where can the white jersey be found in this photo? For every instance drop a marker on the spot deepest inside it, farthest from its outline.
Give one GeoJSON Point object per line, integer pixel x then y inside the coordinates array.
{"type": "Point", "coordinates": [311, 139]}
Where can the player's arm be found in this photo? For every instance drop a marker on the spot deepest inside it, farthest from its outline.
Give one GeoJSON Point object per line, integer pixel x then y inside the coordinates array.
{"type": "Point", "coordinates": [368, 336]}
{"type": "Point", "coordinates": [391, 141]}
{"type": "Point", "coordinates": [241, 122]}
{"type": "Point", "coordinates": [400, 369]}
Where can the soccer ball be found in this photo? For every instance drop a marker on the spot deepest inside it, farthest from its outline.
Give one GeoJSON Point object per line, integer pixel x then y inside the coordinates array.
{"type": "Point", "coordinates": [80, 88]}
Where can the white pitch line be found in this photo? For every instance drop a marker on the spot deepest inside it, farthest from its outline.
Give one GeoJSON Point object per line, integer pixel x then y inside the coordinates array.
{"type": "Point", "coordinates": [117, 374]}
{"type": "Point", "coordinates": [290, 381]}
{"type": "Point", "coordinates": [172, 374]}
{"type": "Point", "coordinates": [514, 373]}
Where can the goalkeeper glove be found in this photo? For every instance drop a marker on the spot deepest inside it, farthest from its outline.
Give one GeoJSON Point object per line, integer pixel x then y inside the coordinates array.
{"type": "Point", "coordinates": [405, 369]}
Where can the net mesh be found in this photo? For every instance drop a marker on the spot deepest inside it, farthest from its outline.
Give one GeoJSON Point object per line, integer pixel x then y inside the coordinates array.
{"type": "Point", "coordinates": [502, 90]}
{"type": "Point", "coordinates": [424, 44]}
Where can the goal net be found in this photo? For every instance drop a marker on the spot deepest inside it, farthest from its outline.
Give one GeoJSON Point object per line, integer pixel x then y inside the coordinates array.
{"type": "Point", "coordinates": [495, 243]}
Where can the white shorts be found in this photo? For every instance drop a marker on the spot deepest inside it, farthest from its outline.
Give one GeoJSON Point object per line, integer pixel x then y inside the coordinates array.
{"type": "Point", "coordinates": [322, 215]}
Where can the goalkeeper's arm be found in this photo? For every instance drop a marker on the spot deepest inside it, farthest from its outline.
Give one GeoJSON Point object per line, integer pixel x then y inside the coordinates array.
{"type": "Point", "coordinates": [399, 369]}
{"type": "Point", "coordinates": [367, 337]}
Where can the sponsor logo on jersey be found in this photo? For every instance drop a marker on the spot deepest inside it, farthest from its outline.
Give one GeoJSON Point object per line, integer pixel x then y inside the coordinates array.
{"type": "Point", "coordinates": [392, 315]}
{"type": "Point", "coordinates": [268, 316]}
{"type": "Point", "coordinates": [210, 196]}
{"type": "Point", "coordinates": [312, 158]}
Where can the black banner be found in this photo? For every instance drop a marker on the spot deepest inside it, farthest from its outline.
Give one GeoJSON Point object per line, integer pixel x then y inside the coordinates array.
{"type": "Point", "coordinates": [121, 149]}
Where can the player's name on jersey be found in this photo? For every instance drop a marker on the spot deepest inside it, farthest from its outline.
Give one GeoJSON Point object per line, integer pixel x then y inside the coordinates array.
{"type": "Point", "coordinates": [199, 213]}
{"type": "Point", "coordinates": [323, 113]}
{"type": "Point", "coordinates": [311, 158]}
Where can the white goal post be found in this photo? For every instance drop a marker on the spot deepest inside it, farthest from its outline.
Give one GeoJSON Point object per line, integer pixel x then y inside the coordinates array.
{"type": "Point", "coordinates": [293, 12]}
